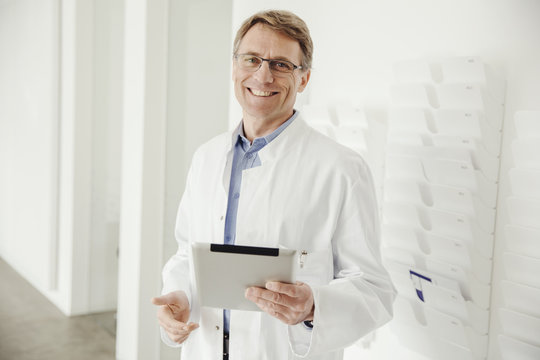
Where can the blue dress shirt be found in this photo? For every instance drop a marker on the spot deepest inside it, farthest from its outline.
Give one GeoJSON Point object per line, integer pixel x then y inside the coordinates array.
{"type": "Point", "coordinates": [245, 157]}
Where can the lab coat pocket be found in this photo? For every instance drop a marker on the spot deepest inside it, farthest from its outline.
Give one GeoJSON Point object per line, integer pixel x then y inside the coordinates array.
{"type": "Point", "coordinates": [315, 268]}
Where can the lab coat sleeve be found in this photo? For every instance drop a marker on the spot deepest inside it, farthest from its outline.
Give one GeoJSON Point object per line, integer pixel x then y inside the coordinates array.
{"type": "Point", "coordinates": [360, 298]}
{"type": "Point", "coordinates": [176, 272]}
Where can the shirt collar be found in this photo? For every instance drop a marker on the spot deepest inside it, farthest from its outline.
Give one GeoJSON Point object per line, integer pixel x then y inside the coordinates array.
{"type": "Point", "coordinates": [262, 141]}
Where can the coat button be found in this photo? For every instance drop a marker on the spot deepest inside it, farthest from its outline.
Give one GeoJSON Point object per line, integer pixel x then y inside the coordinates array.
{"type": "Point", "coordinates": [217, 327]}
{"type": "Point", "coordinates": [221, 218]}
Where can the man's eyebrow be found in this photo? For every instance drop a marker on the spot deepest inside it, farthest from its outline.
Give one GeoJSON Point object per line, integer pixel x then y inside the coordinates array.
{"type": "Point", "coordinates": [274, 58]}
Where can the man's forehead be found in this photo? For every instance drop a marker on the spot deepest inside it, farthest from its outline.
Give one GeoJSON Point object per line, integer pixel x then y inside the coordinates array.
{"type": "Point", "coordinates": [282, 46]}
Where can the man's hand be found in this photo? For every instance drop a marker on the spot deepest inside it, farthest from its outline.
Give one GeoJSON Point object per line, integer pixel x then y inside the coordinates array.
{"type": "Point", "coordinates": [173, 314]}
{"type": "Point", "coordinates": [290, 303]}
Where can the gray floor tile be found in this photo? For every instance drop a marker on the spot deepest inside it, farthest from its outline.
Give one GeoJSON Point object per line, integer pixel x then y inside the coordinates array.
{"type": "Point", "coordinates": [31, 328]}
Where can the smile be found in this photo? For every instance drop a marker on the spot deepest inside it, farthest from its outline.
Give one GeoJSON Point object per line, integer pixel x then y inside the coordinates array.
{"type": "Point", "coordinates": [261, 93]}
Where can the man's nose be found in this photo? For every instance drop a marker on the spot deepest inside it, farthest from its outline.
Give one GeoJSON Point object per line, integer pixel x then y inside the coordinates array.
{"type": "Point", "coordinates": [264, 74]}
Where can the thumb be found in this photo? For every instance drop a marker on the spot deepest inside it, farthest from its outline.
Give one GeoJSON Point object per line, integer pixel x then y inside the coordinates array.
{"type": "Point", "coordinates": [170, 298]}
{"type": "Point", "coordinates": [175, 297]}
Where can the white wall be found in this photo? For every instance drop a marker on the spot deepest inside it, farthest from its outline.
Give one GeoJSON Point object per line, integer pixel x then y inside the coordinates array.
{"type": "Point", "coordinates": [106, 153]}
{"type": "Point", "coordinates": [60, 139]}
{"type": "Point", "coordinates": [29, 108]}
{"type": "Point", "coordinates": [356, 44]}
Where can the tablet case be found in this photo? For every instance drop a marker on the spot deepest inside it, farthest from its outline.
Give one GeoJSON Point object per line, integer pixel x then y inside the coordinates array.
{"type": "Point", "coordinates": [224, 272]}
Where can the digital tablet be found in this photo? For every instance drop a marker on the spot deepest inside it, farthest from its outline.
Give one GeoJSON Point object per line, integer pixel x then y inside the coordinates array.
{"type": "Point", "coordinates": [224, 272]}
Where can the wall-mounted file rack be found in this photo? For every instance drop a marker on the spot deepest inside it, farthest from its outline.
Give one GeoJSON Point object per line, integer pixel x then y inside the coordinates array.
{"type": "Point", "coordinates": [349, 126]}
{"type": "Point", "coordinates": [520, 316]}
{"type": "Point", "coordinates": [440, 192]}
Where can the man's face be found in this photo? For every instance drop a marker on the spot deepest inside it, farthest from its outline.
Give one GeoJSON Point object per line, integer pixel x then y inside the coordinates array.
{"type": "Point", "coordinates": [263, 95]}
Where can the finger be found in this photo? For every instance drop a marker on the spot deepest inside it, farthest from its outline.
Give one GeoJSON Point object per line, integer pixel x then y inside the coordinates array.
{"type": "Point", "coordinates": [292, 290]}
{"type": "Point", "coordinates": [166, 316]}
{"type": "Point", "coordinates": [179, 339]}
{"type": "Point", "coordinates": [185, 329]}
{"type": "Point", "coordinates": [281, 313]}
{"type": "Point", "coordinates": [176, 329]}
{"type": "Point", "coordinates": [254, 294]}
{"type": "Point", "coordinates": [190, 327]}
{"type": "Point", "coordinates": [267, 305]}
{"type": "Point", "coordinates": [170, 298]}
{"type": "Point", "coordinates": [287, 320]}
{"type": "Point", "coordinates": [273, 308]}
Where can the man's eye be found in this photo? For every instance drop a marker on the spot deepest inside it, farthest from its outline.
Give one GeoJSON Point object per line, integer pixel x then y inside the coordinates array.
{"type": "Point", "coordinates": [251, 60]}
{"type": "Point", "coordinates": [282, 66]}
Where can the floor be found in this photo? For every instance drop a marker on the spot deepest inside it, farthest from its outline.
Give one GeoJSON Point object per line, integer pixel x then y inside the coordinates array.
{"type": "Point", "coordinates": [31, 328]}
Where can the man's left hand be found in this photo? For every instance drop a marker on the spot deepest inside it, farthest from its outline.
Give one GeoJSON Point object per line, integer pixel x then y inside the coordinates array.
{"type": "Point", "coordinates": [290, 303]}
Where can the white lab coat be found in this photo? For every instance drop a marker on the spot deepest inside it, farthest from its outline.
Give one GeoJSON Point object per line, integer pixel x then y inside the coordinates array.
{"type": "Point", "coordinates": [311, 194]}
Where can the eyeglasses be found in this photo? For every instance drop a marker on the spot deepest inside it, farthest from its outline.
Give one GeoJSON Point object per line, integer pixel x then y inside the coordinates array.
{"type": "Point", "coordinates": [253, 63]}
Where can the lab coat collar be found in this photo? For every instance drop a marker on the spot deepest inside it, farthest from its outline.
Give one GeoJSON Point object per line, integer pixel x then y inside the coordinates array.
{"type": "Point", "coordinates": [282, 143]}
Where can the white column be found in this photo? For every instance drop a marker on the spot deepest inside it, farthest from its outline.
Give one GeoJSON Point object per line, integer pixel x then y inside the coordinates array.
{"type": "Point", "coordinates": [143, 177]}
{"type": "Point", "coordinates": [75, 172]}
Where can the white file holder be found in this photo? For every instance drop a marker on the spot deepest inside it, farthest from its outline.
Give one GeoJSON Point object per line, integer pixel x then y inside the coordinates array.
{"type": "Point", "coordinates": [455, 305]}
{"type": "Point", "coordinates": [480, 160]}
{"type": "Point", "coordinates": [450, 70]}
{"type": "Point", "coordinates": [472, 70]}
{"type": "Point", "coordinates": [441, 197]}
{"type": "Point", "coordinates": [520, 326]}
{"type": "Point", "coordinates": [523, 211]}
{"type": "Point", "coordinates": [521, 298]}
{"type": "Point", "coordinates": [522, 269]}
{"type": "Point", "coordinates": [525, 182]}
{"type": "Point", "coordinates": [441, 325]}
{"type": "Point", "coordinates": [513, 349]}
{"type": "Point", "coordinates": [445, 249]}
{"type": "Point", "coordinates": [439, 222]}
{"type": "Point", "coordinates": [424, 342]}
{"type": "Point", "coordinates": [415, 120]}
{"type": "Point", "coordinates": [396, 267]}
{"type": "Point", "coordinates": [477, 146]}
{"type": "Point", "coordinates": [469, 286]}
{"type": "Point", "coordinates": [470, 97]}
{"type": "Point", "coordinates": [526, 153]}
{"type": "Point", "coordinates": [443, 172]}
{"type": "Point", "coordinates": [414, 95]}
{"type": "Point", "coordinates": [412, 282]}
{"type": "Point", "coordinates": [527, 124]}
{"type": "Point", "coordinates": [473, 145]}
{"type": "Point", "coordinates": [444, 300]}
{"type": "Point", "coordinates": [451, 122]}
{"type": "Point", "coordinates": [523, 240]}
{"type": "Point", "coordinates": [351, 115]}
{"type": "Point", "coordinates": [467, 123]}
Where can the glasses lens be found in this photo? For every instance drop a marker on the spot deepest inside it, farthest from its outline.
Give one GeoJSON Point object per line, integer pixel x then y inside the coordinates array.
{"type": "Point", "coordinates": [249, 62]}
{"type": "Point", "coordinates": [281, 66]}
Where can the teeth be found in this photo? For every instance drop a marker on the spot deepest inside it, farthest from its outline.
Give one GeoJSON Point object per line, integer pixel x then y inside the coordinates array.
{"type": "Point", "coordinates": [261, 93]}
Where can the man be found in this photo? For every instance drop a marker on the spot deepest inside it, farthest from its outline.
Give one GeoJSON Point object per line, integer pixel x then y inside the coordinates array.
{"type": "Point", "coordinates": [273, 182]}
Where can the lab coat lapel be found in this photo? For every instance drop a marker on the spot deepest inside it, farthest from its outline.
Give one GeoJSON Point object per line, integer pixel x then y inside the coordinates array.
{"type": "Point", "coordinates": [258, 189]}
{"type": "Point", "coordinates": [227, 160]}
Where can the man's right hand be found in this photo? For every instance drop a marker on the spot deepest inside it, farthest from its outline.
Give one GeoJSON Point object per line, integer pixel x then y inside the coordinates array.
{"type": "Point", "coordinates": [173, 315]}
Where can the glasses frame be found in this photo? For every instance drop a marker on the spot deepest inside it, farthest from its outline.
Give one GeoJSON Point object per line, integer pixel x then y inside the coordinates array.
{"type": "Point", "coordinates": [269, 63]}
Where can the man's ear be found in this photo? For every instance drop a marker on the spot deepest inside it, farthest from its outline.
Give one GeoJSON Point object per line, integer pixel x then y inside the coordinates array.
{"type": "Point", "coordinates": [304, 79]}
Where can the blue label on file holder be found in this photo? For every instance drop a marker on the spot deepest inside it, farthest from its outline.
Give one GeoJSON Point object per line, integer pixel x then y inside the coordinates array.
{"type": "Point", "coordinates": [417, 282]}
